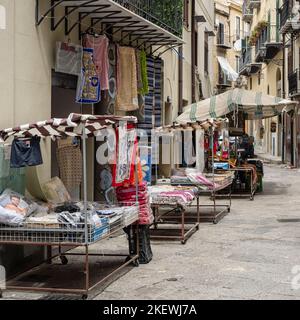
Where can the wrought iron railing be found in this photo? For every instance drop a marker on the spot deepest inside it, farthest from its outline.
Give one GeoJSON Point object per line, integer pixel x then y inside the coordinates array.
{"type": "Point", "coordinates": [285, 12]}
{"type": "Point", "coordinates": [261, 41]}
{"type": "Point", "coordinates": [246, 58]}
{"type": "Point", "coordinates": [223, 39]}
{"type": "Point", "coordinates": [294, 83]}
{"type": "Point", "coordinates": [247, 12]}
{"type": "Point", "coordinates": [168, 14]}
{"type": "Point", "coordinates": [223, 79]}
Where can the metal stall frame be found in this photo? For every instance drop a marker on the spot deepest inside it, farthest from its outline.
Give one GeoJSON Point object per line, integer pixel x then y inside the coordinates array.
{"type": "Point", "coordinates": [130, 258]}
{"type": "Point", "coordinates": [253, 186]}
{"type": "Point", "coordinates": [219, 210]}
{"type": "Point", "coordinates": [176, 215]}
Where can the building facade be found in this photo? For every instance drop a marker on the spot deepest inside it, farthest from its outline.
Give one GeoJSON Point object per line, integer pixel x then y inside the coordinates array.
{"type": "Point", "coordinates": [228, 27]}
{"type": "Point", "coordinates": [177, 35]}
{"type": "Point", "coordinates": [262, 64]}
{"type": "Point", "coordinates": [290, 30]}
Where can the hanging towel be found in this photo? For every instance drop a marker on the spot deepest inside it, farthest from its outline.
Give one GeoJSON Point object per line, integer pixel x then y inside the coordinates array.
{"type": "Point", "coordinates": [144, 75]}
{"type": "Point", "coordinates": [127, 98]}
{"type": "Point", "coordinates": [100, 46]}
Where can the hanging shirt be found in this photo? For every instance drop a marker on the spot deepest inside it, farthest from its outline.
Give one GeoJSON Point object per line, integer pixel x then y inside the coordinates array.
{"type": "Point", "coordinates": [26, 153]}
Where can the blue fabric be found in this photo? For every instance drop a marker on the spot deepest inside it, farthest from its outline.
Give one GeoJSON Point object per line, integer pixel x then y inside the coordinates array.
{"type": "Point", "coordinates": [26, 153]}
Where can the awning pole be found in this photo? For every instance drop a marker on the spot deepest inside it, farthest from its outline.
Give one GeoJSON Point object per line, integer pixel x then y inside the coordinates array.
{"type": "Point", "coordinates": [84, 137]}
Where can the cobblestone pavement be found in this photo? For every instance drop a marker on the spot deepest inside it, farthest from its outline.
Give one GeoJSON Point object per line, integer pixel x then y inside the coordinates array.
{"type": "Point", "coordinates": [250, 254]}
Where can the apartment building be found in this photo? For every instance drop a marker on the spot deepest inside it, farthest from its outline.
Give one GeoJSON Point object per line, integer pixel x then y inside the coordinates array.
{"type": "Point", "coordinates": [262, 64]}
{"type": "Point", "coordinates": [290, 30]}
{"type": "Point", "coordinates": [228, 26]}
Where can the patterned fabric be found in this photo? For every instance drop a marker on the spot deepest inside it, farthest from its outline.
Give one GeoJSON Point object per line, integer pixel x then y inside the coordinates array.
{"type": "Point", "coordinates": [69, 160]}
{"type": "Point", "coordinates": [127, 97]}
{"type": "Point", "coordinates": [71, 126]}
{"type": "Point", "coordinates": [100, 48]}
{"type": "Point", "coordinates": [88, 87]}
{"type": "Point", "coordinates": [255, 105]}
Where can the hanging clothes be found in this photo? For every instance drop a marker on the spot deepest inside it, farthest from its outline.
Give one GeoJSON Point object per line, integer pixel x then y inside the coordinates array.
{"type": "Point", "coordinates": [127, 98]}
{"type": "Point", "coordinates": [100, 45]}
{"type": "Point", "coordinates": [10, 178]}
{"type": "Point", "coordinates": [144, 74]}
{"type": "Point", "coordinates": [26, 153]}
{"type": "Point", "coordinates": [70, 163]}
{"type": "Point", "coordinates": [88, 87]}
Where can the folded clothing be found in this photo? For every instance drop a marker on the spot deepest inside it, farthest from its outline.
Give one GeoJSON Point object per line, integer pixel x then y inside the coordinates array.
{"type": "Point", "coordinates": [165, 194]}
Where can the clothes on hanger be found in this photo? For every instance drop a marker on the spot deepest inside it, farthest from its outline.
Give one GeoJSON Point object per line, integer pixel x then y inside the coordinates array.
{"type": "Point", "coordinates": [26, 152]}
{"type": "Point", "coordinates": [88, 87]}
{"type": "Point", "coordinates": [127, 97]}
{"type": "Point", "coordinates": [144, 76]}
{"type": "Point", "coordinates": [99, 45]}
{"type": "Point", "coordinates": [68, 58]}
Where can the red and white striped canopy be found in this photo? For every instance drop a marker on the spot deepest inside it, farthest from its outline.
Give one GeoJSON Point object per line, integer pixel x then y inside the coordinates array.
{"type": "Point", "coordinates": [71, 126]}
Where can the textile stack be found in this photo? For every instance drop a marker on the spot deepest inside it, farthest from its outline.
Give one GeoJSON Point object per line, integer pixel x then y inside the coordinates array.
{"type": "Point", "coordinates": [127, 196]}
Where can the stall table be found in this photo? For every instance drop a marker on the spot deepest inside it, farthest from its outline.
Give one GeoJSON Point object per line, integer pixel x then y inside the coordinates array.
{"type": "Point", "coordinates": [173, 212]}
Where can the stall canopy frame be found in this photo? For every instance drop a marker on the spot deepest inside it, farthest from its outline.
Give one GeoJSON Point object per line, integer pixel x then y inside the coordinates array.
{"type": "Point", "coordinates": [83, 126]}
{"type": "Point", "coordinates": [76, 125]}
{"type": "Point", "coordinates": [254, 105]}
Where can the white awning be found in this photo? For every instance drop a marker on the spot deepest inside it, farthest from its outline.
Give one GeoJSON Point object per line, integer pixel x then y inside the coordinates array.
{"type": "Point", "coordinates": [227, 69]}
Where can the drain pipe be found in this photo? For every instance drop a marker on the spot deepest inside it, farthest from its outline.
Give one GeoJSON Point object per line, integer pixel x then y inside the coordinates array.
{"type": "Point", "coordinates": [283, 96]}
{"type": "Point", "coordinates": [193, 13]}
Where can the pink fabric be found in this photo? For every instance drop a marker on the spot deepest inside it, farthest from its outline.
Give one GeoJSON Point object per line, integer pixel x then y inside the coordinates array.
{"type": "Point", "coordinates": [100, 45]}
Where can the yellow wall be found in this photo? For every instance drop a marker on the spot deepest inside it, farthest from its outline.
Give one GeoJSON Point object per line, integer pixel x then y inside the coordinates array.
{"type": "Point", "coordinates": [268, 83]}
{"type": "Point", "coordinates": [226, 13]}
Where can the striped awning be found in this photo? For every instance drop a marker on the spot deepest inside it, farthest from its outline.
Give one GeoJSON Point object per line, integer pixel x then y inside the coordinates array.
{"type": "Point", "coordinates": [72, 126]}
{"type": "Point", "coordinates": [255, 105]}
{"type": "Point", "coordinates": [210, 123]}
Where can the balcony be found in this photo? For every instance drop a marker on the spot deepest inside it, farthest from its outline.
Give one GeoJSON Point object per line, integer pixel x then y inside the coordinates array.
{"type": "Point", "coordinates": [294, 83]}
{"type": "Point", "coordinates": [268, 44]}
{"type": "Point", "coordinates": [223, 82]}
{"type": "Point", "coordinates": [247, 12]}
{"type": "Point", "coordinates": [166, 15]}
{"type": "Point", "coordinates": [253, 4]}
{"type": "Point", "coordinates": [150, 22]}
{"type": "Point", "coordinates": [223, 41]}
{"type": "Point", "coordinates": [288, 20]}
{"type": "Point", "coordinates": [247, 63]}
{"type": "Point", "coordinates": [274, 42]}
{"type": "Point", "coordinates": [260, 47]}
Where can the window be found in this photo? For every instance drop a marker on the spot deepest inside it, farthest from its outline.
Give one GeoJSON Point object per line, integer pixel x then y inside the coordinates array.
{"type": "Point", "coordinates": [2, 18]}
{"type": "Point", "coordinates": [196, 48]}
{"type": "Point", "coordinates": [237, 64]}
{"type": "Point", "coordinates": [258, 78]}
{"type": "Point", "coordinates": [206, 53]}
{"type": "Point", "coordinates": [186, 13]}
{"type": "Point", "coordinates": [221, 34]}
{"type": "Point", "coordinates": [238, 28]}
{"type": "Point", "coordinates": [250, 83]}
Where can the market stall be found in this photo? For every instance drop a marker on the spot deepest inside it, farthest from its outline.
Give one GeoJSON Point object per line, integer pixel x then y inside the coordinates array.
{"type": "Point", "coordinates": [71, 225]}
{"type": "Point", "coordinates": [170, 206]}
{"type": "Point", "coordinates": [251, 105]}
{"type": "Point", "coordinates": [199, 176]}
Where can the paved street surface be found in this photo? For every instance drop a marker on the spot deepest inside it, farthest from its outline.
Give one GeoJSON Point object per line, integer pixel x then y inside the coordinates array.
{"type": "Point", "coordinates": [248, 255]}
